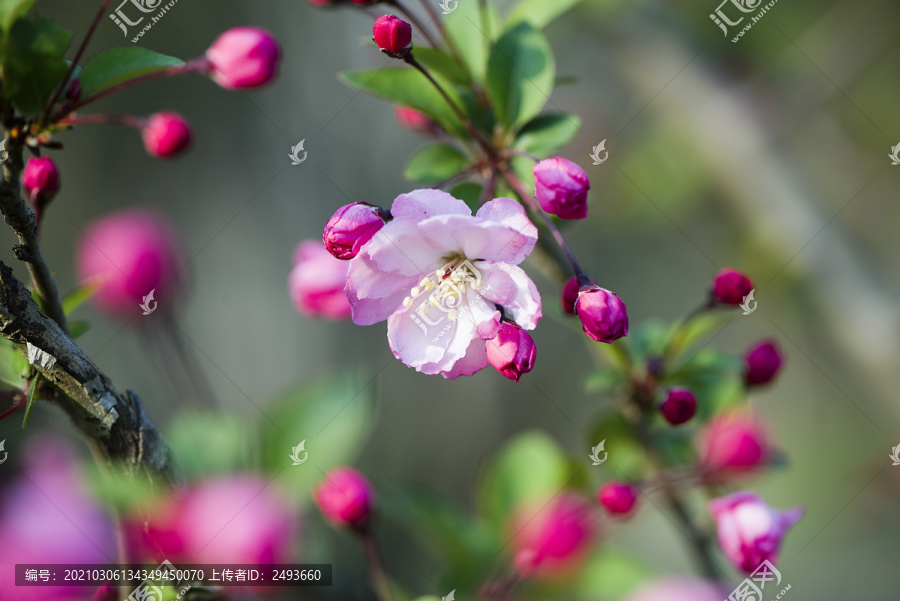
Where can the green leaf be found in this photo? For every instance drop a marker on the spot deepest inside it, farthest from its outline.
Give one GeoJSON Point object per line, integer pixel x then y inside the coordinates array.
{"type": "Point", "coordinates": [529, 469]}
{"type": "Point", "coordinates": [435, 163]}
{"type": "Point", "coordinates": [603, 379]}
{"type": "Point", "coordinates": [715, 378]}
{"type": "Point", "coordinates": [539, 13]}
{"type": "Point", "coordinates": [521, 70]}
{"type": "Point", "coordinates": [408, 87]}
{"type": "Point", "coordinates": [118, 489]}
{"type": "Point", "coordinates": [609, 575]}
{"type": "Point", "coordinates": [688, 334]}
{"type": "Point", "coordinates": [78, 328]}
{"type": "Point", "coordinates": [548, 132]}
{"type": "Point", "coordinates": [13, 10]}
{"type": "Point", "coordinates": [121, 64]}
{"type": "Point", "coordinates": [11, 360]}
{"type": "Point", "coordinates": [30, 402]}
{"type": "Point", "coordinates": [472, 36]}
{"type": "Point", "coordinates": [469, 193]}
{"type": "Point", "coordinates": [77, 297]}
{"type": "Point", "coordinates": [33, 64]}
{"type": "Point", "coordinates": [437, 61]}
{"type": "Point", "coordinates": [209, 444]}
{"type": "Point", "coordinates": [332, 417]}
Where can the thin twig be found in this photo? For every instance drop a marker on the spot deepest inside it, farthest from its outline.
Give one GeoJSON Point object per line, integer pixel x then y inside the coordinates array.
{"type": "Point", "coordinates": [376, 568]}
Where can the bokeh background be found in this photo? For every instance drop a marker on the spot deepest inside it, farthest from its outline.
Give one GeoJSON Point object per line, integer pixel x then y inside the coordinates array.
{"type": "Point", "coordinates": [769, 155]}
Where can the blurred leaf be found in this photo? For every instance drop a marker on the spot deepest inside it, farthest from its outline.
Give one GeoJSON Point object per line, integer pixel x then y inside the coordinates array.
{"type": "Point", "coordinates": [77, 297]}
{"type": "Point", "coordinates": [119, 490]}
{"type": "Point", "coordinates": [530, 468]}
{"type": "Point", "coordinates": [469, 193]}
{"type": "Point", "coordinates": [609, 575]}
{"type": "Point", "coordinates": [648, 339]}
{"type": "Point", "coordinates": [11, 365]}
{"type": "Point", "coordinates": [471, 36]}
{"type": "Point", "coordinates": [209, 444]}
{"type": "Point", "coordinates": [538, 13]}
{"type": "Point", "coordinates": [114, 66]}
{"type": "Point", "coordinates": [626, 458]}
{"type": "Point", "coordinates": [30, 401]}
{"type": "Point", "coordinates": [435, 163]}
{"type": "Point", "coordinates": [333, 415]}
{"type": "Point", "coordinates": [603, 379]}
{"type": "Point", "coordinates": [689, 334]}
{"type": "Point", "coordinates": [441, 62]}
{"type": "Point", "coordinates": [520, 76]}
{"type": "Point", "coordinates": [548, 132]}
{"type": "Point", "coordinates": [12, 10]}
{"type": "Point", "coordinates": [714, 378]}
{"type": "Point", "coordinates": [408, 87]}
{"type": "Point", "coordinates": [33, 64]}
{"type": "Point", "coordinates": [78, 328]}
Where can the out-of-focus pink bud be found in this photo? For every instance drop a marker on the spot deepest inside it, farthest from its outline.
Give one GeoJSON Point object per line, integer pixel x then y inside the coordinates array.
{"type": "Point", "coordinates": [679, 407]}
{"type": "Point", "coordinates": [561, 187]}
{"type": "Point", "coordinates": [512, 352]}
{"type": "Point", "coordinates": [73, 90]}
{"type": "Point", "coordinates": [729, 287]}
{"type": "Point", "coordinates": [243, 58]}
{"type": "Point", "coordinates": [733, 443]}
{"type": "Point", "coordinates": [40, 180]}
{"type": "Point", "coordinates": [166, 135]}
{"type": "Point", "coordinates": [750, 531]}
{"type": "Point", "coordinates": [345, 497]}
{"type": "Point", "coordinates": [762, 363]}
{"type": "Point", "coordinates": [619, 498]}
{"type": "Point", "coordinates": [316, 284]}
{"type": "Point", "coordinates": [556, 539]}
{"type": "Point", "coordinates": [416, 121]}
{"type": "Point", "coordinates": [107, 592]}
{"type": "Point", "coordinates": [393, 35]}
{"type": "Point", "coordinates": [128, 255]}
{"type": "Point", "coordinates": [570, 295]}
{"type": "Point", "coordinates": [678, 589]}
{"type": "Point", "coordinates": [351, 227]}
{"type": "Point", "coordinates": [603, 315]}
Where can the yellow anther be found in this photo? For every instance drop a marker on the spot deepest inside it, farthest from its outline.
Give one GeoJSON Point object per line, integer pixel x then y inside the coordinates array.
{"type": "Point", "coordinates": [407, 302]}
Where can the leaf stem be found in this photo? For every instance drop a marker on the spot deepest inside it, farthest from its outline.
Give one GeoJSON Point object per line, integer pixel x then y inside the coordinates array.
{"type": "Point", "coordinates": [376, 568]}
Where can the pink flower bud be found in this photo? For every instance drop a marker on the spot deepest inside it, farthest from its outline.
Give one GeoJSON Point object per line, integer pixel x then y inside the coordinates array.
{"type": "Point", "coordinates": [351, 227]}
{"type": "Point", "coordinates": [244, 58]}
{"type": "Point", "coordinates": [679, 407]}
{"type": "Point", "coordinates": [166, 135]}
{"type": "Point", "coordinates": [40, 181]}
{"type": "Point", "coordinates": [570, 295]}
{"type": "Point", "coordinates": [555, 538]}
{"type": "Point", "coordinates": [732, 443]}
{"type": "Point", "coordinates": [393, 35]}
{"type": "Point", "coordinates": [345, 497]}
{"type": "Point", "coordinates": [127, 255]}
{"type": "Point", "coordinates": [73, 90]}
{"type": "Point", "coordinates": [678, 589]}
{"type": "Point", "coordinates": [316, 284]}
{"type": "Point", "coordinates": [619, 498]}
{"type": "Point", "coordinates": [512, 352]}
{"type": "Point", "coordinates": [750, 531]}
{"type": "Point", "coordinates": [561, 187]}
{"type": "Point", "coordinates": [729, 287]}
{"type": "Point", "coordinates": [416, 121]}
{"type": "Point", "coordinates": [603, 315]}
{"type": "Point", "coordinates": [762, 363]}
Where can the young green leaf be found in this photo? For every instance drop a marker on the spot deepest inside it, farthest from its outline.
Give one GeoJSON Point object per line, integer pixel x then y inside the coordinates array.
{"type": "Point", "coordinates": [469, 193]}
{"type": "Point", "coordinates": [472, 32]}
{"type": "Point", "coordinates": [33, 64]}
{"type": "Point", "coordinates": [114, 66]}
{"type": "Point", "coordinates": [548, 132]}
{"type": "Point", "coordinates": [77, 297]}
{"type": "Point", "coordinates": [435, 163]}
{"type": "Point", "coordinates": [437, 61]}
{"type": "Point", "coordinates": [521, 71]}
{"type": "Point", "coordinates": [13, 10]}
{"type": "Point", "coordinates": [539, 13]}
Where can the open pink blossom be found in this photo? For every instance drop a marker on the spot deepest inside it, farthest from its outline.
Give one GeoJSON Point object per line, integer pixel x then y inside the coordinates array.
{"type": "Point", "coordinates": [437, 274]}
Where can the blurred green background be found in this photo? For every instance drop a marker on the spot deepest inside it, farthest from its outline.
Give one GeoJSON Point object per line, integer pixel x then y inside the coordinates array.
{"type": "Point", "coordinates": [769, 155]}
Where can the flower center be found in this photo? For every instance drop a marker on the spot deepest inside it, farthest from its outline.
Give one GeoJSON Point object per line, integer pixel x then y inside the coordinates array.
{"type": "Point", "coordinates": [447, 286]}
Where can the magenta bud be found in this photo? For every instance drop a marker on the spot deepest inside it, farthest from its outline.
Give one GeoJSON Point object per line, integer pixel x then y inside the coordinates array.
{"type": "Point", "coordinates": [679, 407]}
{"type": "Point", "coordinates": [393, 35]}
{"type": "Point", "coordinates": [107, 592]}
{"type": "Point", "coordinates": [244, 58]}
{"type": "Point", "coordinates": [749, 531]}
{"type": "Point", "coordinates": [733, 443]}
{"type": "Point", "coordinates": [555, 538]}
{"type": "Point", "coordinates": [73, 90]}
{"type": "Point", "coordinates": [570, 295]}
{"type": "Point", "coordinates": [619, 498]}
{"type": "Point", "coordinates": [762, 363]}
{"type": "Point", "coordinates": [316, 283]}
{"type": "Point", "coordinates": [729, 287]}
{"type": "Point", "coordinates": [603, 315]}
{"type": "Point", "coordinates": [166, 135]}
{"type": "Point", "coordinates": [40, 179]}
{"type": "Point", "coordinates": [561, 187]}
{"type": "Point", "coordinates": [351, 227]}
{"type": "Point", "coordinates": [512, 352]}
{"type": "Point", "coordinates": [345, 498]}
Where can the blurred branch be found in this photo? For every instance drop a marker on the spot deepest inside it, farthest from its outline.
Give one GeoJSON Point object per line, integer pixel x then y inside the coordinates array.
{"type": "Point", "coordinates": [116, 423]}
